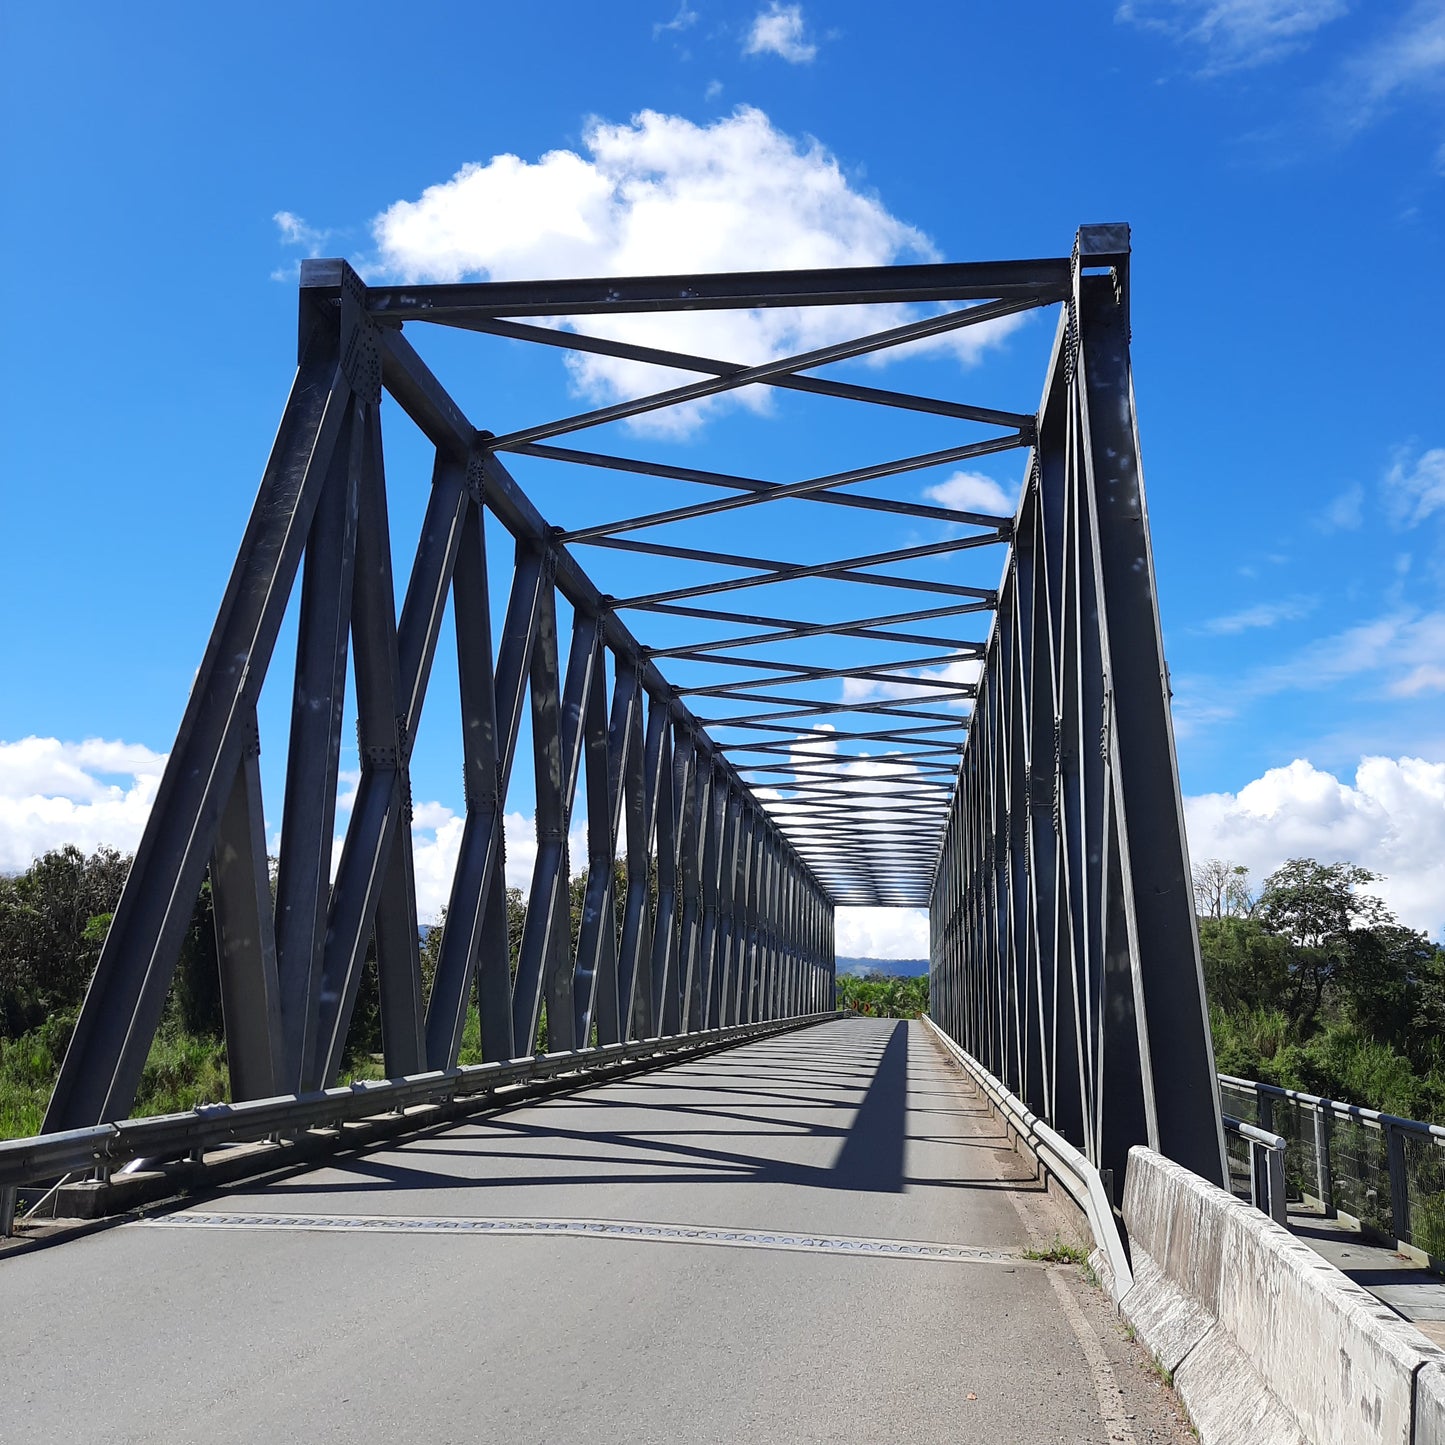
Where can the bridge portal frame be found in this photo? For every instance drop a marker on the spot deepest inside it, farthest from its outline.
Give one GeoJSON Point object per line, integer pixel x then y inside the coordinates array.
{"type": "Point", "coordinates": [1052, 855]}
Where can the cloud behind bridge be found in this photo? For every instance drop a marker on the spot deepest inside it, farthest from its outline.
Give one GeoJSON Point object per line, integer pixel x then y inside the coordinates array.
{"type": "Point", "coordinates": [1390, 818]}
{"type": "Point", "coordinates": [661, 194]}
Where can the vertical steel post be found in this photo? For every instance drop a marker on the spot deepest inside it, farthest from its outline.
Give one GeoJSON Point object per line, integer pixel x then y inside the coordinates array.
{"type": "Point", "coordinates": [245, 938]}
{"type": "Point", "coordinates": [1324, 1179]}
{"type": "Point", "coordinates": [1399, 1181]}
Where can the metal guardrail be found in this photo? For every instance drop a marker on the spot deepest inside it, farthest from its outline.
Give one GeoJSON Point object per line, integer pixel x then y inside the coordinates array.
{"type": "Point", "coordinates": [1385, 1171]}
{"type": "Point", "coordinates": [1266, 1167]}
{"type": "Point", "coordinates": [105, 1148]}
{"type": "Point", "coordinates": [1079, 1178]}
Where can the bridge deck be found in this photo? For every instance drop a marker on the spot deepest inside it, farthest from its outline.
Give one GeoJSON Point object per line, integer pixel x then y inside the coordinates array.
{"type": "Point", "coordinates": [445, 1289]}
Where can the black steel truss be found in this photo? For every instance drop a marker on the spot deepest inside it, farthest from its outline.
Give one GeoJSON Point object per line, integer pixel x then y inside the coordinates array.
{"type": "Point", "coordinates": [1064, 943]}
{"type": "Point", "coordinates": [813, 777]}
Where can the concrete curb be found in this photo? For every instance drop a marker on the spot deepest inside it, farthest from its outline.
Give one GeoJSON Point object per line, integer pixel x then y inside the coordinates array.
{"type": "Point", "coordinates": [1267, 1342]}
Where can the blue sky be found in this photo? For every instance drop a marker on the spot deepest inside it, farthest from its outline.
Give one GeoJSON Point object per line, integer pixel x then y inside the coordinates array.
{"type": "Point", "coordinates": [1282, 164]}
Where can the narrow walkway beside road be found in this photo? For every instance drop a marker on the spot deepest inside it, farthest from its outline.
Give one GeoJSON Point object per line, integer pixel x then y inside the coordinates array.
{"type": "Point", "coordinates": [1413, 1293]}
{"type": "Point", "coordinates": [817, 1237]}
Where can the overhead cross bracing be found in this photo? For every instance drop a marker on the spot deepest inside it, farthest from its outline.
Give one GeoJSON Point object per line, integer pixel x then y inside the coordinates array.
{"type": "Point", "coordinates": [835, 674]}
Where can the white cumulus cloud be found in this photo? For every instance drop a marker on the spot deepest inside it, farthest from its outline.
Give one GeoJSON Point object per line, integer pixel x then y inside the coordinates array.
{"type": "Point", "coordinates": [663, 195]}
{"type": "Point", "coordinates": [436, 836]}
{"type": "Point", "coordinates": [880, 933]}
{"type": "Point", "coordinates": [779, 30]}
{"type": "Point", "coordinates": [95, 793]}
{"type": "Point", "coordinates": [98, 793]}
{"type": "Point", "coordinates": [1391, 819]}
{"type": "Point", "coordinates": [973, 492]}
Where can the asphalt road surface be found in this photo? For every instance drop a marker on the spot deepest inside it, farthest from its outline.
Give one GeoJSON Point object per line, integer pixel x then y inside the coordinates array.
{"type": "Point", "coordinates": [814, 1237]}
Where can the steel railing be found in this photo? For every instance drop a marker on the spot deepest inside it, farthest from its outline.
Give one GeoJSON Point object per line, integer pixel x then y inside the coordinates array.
{"type": "Point", "coordinates": [1384, 1171]}
{"type": "Point", "coordinates": [1077, 1175]}
{"type": "Point", "coordinates": [1262, 1168]}
{"type": "Point", "coordinates": [106, 1148]}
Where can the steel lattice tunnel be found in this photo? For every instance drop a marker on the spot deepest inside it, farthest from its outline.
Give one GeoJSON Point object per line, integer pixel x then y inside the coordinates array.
{"type": "Point", "coordinates": [1001, 753]}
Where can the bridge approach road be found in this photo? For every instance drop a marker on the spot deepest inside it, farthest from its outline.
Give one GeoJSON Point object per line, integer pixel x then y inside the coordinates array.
{"type": "Point", "coordinates": [705, 1253]}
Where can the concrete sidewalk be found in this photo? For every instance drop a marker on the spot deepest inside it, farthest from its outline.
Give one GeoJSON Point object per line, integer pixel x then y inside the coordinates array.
{"type": "Point", "coordinates": [1413, 1293]}
{"type": "Point", "coordinates": [727, 1249]}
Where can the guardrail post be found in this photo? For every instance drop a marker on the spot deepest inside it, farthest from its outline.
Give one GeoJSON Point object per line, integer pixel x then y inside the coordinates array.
{"type": "Point", "coordinates": [1399, 1181]}
{"type": "Point", "coordinates": [1324, 1180]}
{"type": "Point", "coordinates": [1264, 1106]}
{"type": "Point", "coordinates": [7, 1211]}
{"type": "Point", "coordinates": [1274, 1165]}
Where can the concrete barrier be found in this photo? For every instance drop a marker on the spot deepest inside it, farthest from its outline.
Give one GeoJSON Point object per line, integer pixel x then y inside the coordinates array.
{"type": "Point", "coordinates": [1267, 1342]}
{"type": "Point", "coordinates": [1430, 1405]}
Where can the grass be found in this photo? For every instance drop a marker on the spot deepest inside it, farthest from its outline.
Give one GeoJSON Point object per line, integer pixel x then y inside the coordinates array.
{"type": "Point", "coordinates": [181, 1071]}
{"type": "Point", "coordinates": [1061, 1252]}
{"type": "Point", "coordinates": [27, 1072]}
{"type": "Point", "coordinates": [1157, 1368]}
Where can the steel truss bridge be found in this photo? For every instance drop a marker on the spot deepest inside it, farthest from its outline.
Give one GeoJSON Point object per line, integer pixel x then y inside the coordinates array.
{"type": "Point", "coordinates": [764, 699]}
{"type": "Point", "coordinates": [1002, 754]}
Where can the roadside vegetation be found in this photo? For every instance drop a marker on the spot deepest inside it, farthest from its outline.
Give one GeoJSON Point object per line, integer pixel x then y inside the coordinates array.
{"type": "Point", "coordinates": [883, 996]}
{"type": "Point", "coordinates": [53, 920]}
{"type": "Point", "coordinates": [1313, 984]}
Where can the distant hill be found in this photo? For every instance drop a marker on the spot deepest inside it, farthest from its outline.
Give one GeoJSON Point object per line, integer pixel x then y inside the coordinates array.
{"type": "Point", "coordinates": [895, 967]}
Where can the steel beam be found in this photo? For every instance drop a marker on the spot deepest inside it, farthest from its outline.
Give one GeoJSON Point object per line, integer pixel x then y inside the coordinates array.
{"type": "Point", "coordinates": [1038, 282]}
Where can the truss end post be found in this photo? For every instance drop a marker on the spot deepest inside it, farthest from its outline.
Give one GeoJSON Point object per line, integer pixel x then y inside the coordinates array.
{"type": "Point", "coordinates": [1102, 245]}
{"type": "Point", "coordinates": [319, 295]}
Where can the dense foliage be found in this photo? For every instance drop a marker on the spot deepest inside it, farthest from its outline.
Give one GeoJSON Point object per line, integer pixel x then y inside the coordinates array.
{"type": "Point", "coordinates": [53, 920]}
{"type": "Point", "coordinates": [883, 996]}
{"type": "Point", "coordinates": [1314, 985]}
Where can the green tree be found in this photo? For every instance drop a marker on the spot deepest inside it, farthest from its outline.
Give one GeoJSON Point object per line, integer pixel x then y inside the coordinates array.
{"type": "Point", "coordinates": [883, 995]}
{"type": "Point", "coordinates": [52, 922]}
{"type": "Point", "coordinates": [1317, 908]}
{"type": "Point", "coordinates": [1245, 965]}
